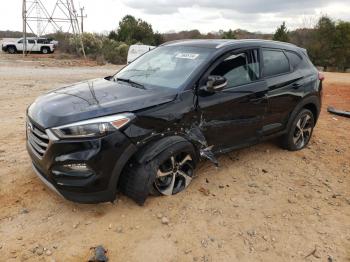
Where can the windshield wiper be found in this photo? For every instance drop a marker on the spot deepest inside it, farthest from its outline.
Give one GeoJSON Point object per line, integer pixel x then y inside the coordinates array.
{"type": "Point", "coordinates": [131, 82]}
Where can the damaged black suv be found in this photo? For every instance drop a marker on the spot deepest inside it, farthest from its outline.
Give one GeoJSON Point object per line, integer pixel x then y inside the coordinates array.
{"type": "Point", "coordinates": [143, 130]}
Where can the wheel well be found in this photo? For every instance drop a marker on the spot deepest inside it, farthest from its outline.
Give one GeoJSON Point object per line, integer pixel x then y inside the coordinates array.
{"type": "Point", "coordinates": [153, 148]}
{"type": "Point", "coordinates": [312, 107]}
{"type": "Point", "coordinates": [7, 47]}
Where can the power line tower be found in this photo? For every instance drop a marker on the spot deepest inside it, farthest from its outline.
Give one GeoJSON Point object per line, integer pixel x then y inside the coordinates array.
{"type": "Point", "coordinates": [48, 15]}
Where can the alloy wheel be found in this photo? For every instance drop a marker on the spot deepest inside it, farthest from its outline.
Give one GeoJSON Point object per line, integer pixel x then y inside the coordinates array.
{"type": "Point", "coordinates": [174, 174]}
{"type": "Point", "coordinates": [302, 132]}
{"type": "Point", "coordinates": [11, 50]}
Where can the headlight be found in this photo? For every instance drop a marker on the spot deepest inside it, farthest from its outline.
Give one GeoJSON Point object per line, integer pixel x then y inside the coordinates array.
{"type": "Point", "coordinates": [93, 127]}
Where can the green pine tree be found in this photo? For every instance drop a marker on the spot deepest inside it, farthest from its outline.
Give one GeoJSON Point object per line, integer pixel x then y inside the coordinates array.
{"type": "Point", "coordinates": [281, 33]}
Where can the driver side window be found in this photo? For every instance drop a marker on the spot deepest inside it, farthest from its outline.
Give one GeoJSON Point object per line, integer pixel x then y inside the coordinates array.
{"type": "Point", "coordinates": [239, 68]}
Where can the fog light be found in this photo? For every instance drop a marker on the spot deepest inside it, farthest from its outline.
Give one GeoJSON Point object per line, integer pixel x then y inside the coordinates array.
{"type": "Point", "coordinates": [76, 167]}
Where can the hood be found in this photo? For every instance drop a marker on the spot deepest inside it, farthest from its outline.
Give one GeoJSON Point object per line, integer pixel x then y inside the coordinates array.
{"type": "Point", "coordinates": [94, 98]}
{"type": "Point", "coordinates": [8, 43]}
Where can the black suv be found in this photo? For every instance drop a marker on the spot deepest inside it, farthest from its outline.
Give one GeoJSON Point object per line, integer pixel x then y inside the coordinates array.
{"type": "Point", "coordinates": [143, 130]}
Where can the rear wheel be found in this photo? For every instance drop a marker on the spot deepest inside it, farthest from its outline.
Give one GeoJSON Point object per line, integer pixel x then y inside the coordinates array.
{"type": "Point", "coordinates": [300, 131]}
{"type": "Point", "coordinates": [11, 50]}
{"type": "Point", "coordinates": [45, 50]}
{"type": "Point", "coordinates": [167, 173]}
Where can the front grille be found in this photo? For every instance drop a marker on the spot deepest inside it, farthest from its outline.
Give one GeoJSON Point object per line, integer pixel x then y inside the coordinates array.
{"type": "Point", "coordinates": [37, 139]}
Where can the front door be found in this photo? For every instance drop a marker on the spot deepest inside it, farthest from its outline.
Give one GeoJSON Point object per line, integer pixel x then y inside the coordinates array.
{"type": "Point", "coordinates": [233, 117]}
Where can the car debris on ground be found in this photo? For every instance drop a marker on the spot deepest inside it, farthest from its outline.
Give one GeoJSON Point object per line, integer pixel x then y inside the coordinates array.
{"type": "Point", "coordinates": [99, 254]}
{"type": "Point", "coordinates": [338, 112]}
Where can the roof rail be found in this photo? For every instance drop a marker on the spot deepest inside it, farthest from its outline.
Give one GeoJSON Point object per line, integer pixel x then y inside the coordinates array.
{"type": "Point", "coordinates": [228, 42]}
{"type": "Point", "coordinates": [225, 43]}
{"type": "Point", "coordinates": [176, 41]}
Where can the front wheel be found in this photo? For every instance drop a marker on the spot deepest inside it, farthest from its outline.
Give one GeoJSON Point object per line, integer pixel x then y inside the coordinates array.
{"type": "Point", "coordinates": [167, 173]}
{"type": "Point", "coordinates": [11, 50]}
{"type": "Point", "coordinates": [300, 132]}
{"type": "Point", "coordinates": [174, 174]}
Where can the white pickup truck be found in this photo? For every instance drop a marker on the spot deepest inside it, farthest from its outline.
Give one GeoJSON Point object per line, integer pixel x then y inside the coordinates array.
{"type": "Point", "coordinates": [135, 51]}
{"type": "Point", "coordinates": [42, 45]}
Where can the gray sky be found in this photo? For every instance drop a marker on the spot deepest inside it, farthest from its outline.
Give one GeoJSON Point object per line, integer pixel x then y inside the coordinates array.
{"type": "Point", "coordinates": [205, 15]}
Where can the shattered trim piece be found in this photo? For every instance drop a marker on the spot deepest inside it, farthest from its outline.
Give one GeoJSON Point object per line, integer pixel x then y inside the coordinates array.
{"type": "Point", "coordinates": [338, 112]}
{"type": "Point", "coordinates": [196, 136]}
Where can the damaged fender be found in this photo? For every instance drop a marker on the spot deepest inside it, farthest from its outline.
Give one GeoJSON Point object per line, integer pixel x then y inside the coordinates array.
{"type": "Point", "coordinates": [196, 136]}
{"type": "Point", "coordinates": [148, 153]}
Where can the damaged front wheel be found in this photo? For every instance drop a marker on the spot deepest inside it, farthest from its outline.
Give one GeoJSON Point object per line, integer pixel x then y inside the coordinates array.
{"type": "Point", "coordinates": [166, 173]}
{"type": "Point", "coordinates": [174, 174]}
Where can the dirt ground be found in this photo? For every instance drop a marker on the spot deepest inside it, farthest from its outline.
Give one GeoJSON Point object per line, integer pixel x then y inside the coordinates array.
{"type": "Point", "coordinates": [262, 204]}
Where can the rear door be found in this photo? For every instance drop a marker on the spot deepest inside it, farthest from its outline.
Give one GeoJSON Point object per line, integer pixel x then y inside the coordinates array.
{"type": "Point", "coordinates": [285, 89]}
{"type": "Point", "coordinates": [38, 43]}
{"type": "Point", "coordinates": [233, 117]}
{"type": "Point", "coordinates": [31, 45]}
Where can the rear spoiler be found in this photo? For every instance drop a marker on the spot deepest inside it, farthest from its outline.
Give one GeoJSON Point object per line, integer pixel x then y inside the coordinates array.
{"type": "Point", "coordinates": [304, 51]}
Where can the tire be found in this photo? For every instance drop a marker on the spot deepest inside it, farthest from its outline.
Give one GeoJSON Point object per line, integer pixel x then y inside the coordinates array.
{"type": "Point", "coordinates": [45, 50]}
{"type": "Point", "coordinates": [300, 131]}
{"type": "Point", "coordinates": [11, 50]}
{"type": "Point", "coordinates": [167, 173]}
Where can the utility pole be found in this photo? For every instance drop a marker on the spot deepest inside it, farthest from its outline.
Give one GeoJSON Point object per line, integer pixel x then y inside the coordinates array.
{"type": "Point", "coordinates": [24, 15]}
{"type": "Point", "coordinates": [75, 25]}
{"type": "Point", "coordinates": [82, 16]}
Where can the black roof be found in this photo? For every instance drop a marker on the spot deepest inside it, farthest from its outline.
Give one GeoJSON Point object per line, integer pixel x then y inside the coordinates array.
{"type": "Point", "coordinates": [222, 43]}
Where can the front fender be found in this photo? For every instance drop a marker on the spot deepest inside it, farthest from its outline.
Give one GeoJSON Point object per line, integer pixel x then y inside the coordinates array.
{"type": "Point", "coordinates": [152, 149]}
{"type": "Point", "coordinates": [118, 169]}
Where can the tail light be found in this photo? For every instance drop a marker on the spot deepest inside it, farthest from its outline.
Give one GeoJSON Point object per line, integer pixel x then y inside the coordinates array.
{"type": "Point", "coordinates": [321, 76]}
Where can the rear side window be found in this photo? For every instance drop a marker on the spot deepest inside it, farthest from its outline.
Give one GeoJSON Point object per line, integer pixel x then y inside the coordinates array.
{"type": "Point", "coordinates": [239, 69]}
{"type": "Point", "coordinates": [275, 63]}
{"type": "Point", "coordinates": [294, 59]}
{"type": "Point", "coordinates": [31, 41]}
{"type": "Point", "coordinates": [43, 41]}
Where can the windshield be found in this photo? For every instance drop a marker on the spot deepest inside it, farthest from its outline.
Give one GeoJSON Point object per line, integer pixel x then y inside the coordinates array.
{"type": "Point", "coordinates": [165, 66]}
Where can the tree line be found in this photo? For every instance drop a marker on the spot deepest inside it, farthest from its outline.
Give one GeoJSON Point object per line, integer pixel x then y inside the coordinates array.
{"type": "Point", "coordinates": [327, 43]}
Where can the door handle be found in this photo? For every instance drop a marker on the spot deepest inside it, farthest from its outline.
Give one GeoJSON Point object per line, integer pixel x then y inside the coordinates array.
{"type": "Point", "coordinates": [259, 99]}
{"type": "Point", "coordinates": [296, 85]}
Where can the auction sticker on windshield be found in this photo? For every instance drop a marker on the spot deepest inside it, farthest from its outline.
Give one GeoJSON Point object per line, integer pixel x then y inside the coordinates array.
{"type": "Point", "coordinates": [187, 56]}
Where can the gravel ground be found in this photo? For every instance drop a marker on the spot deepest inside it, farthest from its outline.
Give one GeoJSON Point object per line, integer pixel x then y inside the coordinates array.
{"type": "Point", "coordinates": [262, 204]}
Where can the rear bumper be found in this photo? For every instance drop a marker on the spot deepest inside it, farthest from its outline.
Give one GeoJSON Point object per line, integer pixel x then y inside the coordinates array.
{"type": "Point", "coordinates": [104, 157]}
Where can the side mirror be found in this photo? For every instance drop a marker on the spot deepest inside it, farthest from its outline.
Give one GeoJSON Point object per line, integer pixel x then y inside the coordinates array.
{"type": "Point", "coordinates": [108, 78]}
{"type": "Point", "coordinates": [216, 83]}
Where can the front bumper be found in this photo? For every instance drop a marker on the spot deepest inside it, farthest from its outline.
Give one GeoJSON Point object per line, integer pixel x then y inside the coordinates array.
{"type": "Point", "coordinates": [105, 158]}
{"type": "Point", "coordinates": [45, 181]}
